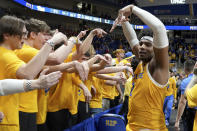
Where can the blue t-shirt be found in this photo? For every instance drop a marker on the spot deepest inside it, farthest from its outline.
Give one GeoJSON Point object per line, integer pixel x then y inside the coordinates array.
{"type": "Point", "coordinates": [185, 82]}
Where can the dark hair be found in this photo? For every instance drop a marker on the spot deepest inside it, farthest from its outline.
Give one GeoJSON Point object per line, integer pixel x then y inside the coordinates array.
{"type": "Point", "coordinates": [189, 65]}
{"type": "Point", "coordinates": [145, 32]}
{"type": "Point", "coordinates": [11, 25]}
{"type": "Point", "coordinates": [35, 25]}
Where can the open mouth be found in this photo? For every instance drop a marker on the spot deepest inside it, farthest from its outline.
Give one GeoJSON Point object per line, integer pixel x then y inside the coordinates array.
{"type": "Point", "coordinates": [142, 53]}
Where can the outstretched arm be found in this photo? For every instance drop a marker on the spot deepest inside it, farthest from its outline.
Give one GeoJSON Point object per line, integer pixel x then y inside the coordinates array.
{"type": "Point", "coordinates": [131, 37]}
{"type": "Point", "coordinates": [160, 39]}
{"type": "Point", "coordinates": [85, 46]}
{"type": "Point", "coordinates": [109, 70]}
{"type": "Point", "coordinates": [59, 55]}
{"type": "Point", "coordinates": [35, 65]}
{"type": "Point", "coordinates": [11, 86]}
{"type": "Point", "coordinates": [159, 64]}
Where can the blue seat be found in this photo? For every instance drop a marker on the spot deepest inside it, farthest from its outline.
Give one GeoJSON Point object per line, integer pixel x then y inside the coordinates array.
{"type": "Point", "coordinates": [111, 122]}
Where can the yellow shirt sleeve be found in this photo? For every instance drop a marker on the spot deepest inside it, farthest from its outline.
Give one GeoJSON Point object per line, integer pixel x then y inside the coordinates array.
{"type": "Point", "coordinates": [192, 96]}
{"type": "Point", "coordinates": [128, 86]}
{"type": "Point", "coordinates": [12, 64]}
{"type": "Point", "coordinates": [96, 101]}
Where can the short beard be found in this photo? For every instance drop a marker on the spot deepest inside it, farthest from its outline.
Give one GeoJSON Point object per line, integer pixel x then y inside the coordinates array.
{"type": "Point", "coordinates": [146, 60]}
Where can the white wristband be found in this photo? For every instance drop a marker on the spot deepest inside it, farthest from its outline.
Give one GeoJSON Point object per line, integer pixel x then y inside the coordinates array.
{"type": "Point", "coordinates": [160, 39]}
{"type": "Point", "coordinates": [11, 86]}
{"type": "Point", "coordinates": [130, 34]}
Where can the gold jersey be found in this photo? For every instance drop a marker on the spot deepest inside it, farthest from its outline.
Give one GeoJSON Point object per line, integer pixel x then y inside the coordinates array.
{"type": "Point", "coordinates": [146, 102]}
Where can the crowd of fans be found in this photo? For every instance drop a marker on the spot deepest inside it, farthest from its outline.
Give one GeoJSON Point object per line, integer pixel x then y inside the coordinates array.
{"type": "Point", "coordinates": [179, 52]}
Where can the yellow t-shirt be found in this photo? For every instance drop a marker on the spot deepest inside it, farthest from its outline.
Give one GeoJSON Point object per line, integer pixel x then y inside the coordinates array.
{"type": "Point", "coordinates": [65, 94]}
{"type": "Point", "coordinates": [192, 96]}
{"type": "Point", "coordinates": [128, 86]}
{"type": "Point", "coordinates": [96, 101]}
{"type": "Point", "coordinates": [76, 82]}
{"type": "Point", "coordinates": [125, 62]}
{"type": "Point", "coordinates": [116, 60]}
{"type": "Point", "coordinates": [192, 102]}
{"type": "Point", "coordinates": [42, 106]}
{"type": "Point", "coordinates": [88, 84]}
{"type": "Point", "coordinates": [171, 88]}
{"type": "Point", "coordinates": [61, 97]}
{"type": "Point", "coordinates": [116, 93]}
{"type": "Point", "coordinates": [27, 100]}
{"type": "Point", "coordinates": [146, 103]}
{"type": "Point", "coordinates": [9, 64]}
{"type": "Point", "coordinates": [108, 91]}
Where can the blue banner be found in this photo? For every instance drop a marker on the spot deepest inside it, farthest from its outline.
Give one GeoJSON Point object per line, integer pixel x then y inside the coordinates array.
{"type": "Point", "coordinates": [102, 20]}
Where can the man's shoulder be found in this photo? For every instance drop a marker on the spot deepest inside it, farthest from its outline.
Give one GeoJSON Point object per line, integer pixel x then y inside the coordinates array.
{"type": "Point", "coordinates": [186, 80]}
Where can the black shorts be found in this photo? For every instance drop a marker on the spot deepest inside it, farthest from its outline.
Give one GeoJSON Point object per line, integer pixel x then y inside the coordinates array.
{"type": "Point", "coordinates": [27, 121]}
{"type": "Point", "coordinates": [59, 120]}
{"type": "Point", "coordinates": [83, 113]}
{"type": "Point", "coordinates": [42, 127]}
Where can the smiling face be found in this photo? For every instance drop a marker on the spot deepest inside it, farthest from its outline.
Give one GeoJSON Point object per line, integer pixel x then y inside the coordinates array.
{"type": "Point", "coordinates": [16, 41]}
{"type": "Point", "coordinates": [39, 40]}
{"type": "Point", "coordinates": [38, 32]}
{"type": "Point", "coordinates": [145, 51]}
{"type": "Point", "coordinates": [13, 32]}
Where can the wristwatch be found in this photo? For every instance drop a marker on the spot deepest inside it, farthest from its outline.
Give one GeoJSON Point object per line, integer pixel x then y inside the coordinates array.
{"type": "Point", "coordinates": [51, 43]}
{"type": "Point", "coordinates": [28, 85]}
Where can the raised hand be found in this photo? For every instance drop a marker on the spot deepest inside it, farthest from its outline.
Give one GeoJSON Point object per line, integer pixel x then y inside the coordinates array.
{"type": "Point", "coordinates": [101, 57]}
{"type": "Point", "coordinates": [123, 15]}
{"type": "Point", "coordinates": [115, 24]}
{"type": "Point", "coordinates": [82, 34]}
{"type": "Point", "coordinates": [46, 81]}
{"type": "Point", "coordinates": [98, 32]}
{"type": "Point", "coordinates": [126, 11]}
{"type": "Point", "coordinates": [118, 21]}
{"type": "Point", "coordinates": [58, 37]}
{"type": "Point", "coordinates": [108, 58]}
